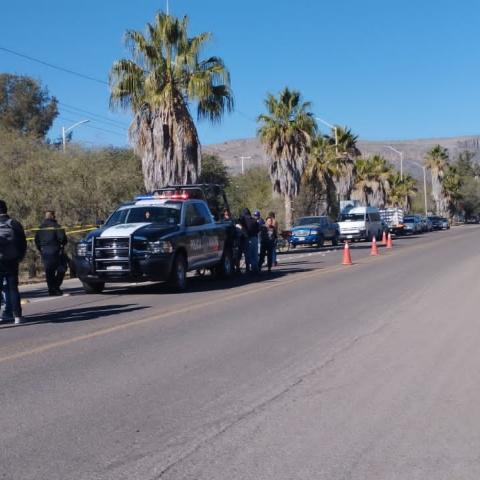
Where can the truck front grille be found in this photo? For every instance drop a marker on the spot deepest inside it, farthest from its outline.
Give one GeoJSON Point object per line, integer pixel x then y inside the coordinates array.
{"type": "Point", "coordinates": [112, 255]}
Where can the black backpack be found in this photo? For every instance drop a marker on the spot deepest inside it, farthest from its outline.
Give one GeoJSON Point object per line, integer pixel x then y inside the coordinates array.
{"type": "Point", "coordinates": [8, 247]}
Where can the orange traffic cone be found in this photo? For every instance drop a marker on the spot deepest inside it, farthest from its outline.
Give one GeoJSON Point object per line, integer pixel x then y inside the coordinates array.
{"type": "Point", "coordinates": [374, 251]}
{"type": "Point", "coordinates": [384, 238]}
{"type": "Point", "coordinates": [389, 241]}
{"type": "Point", "coordinates": [347, 259]}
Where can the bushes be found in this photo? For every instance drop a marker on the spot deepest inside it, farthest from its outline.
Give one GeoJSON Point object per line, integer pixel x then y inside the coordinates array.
{"type": "Point", "coordinates": [81, 185]}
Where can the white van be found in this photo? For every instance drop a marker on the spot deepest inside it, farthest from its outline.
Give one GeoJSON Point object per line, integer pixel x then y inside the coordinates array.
{"type": "Point", "coordinates": [360, 223]}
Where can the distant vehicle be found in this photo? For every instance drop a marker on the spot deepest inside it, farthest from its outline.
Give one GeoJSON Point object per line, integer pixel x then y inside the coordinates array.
{"type": "Point", "coordinates": [314, 231]}
{"type": "Point", "coordinates": [472, 219]}
{"type": "Point", "coordinates": [393, 217]}
{"type": "Point", "coordinates": [445, 224]}
{"type": "Point", "coordinates": [436, 222]}
{"type": "Point", "coordinates": [428, 226]}
{"type": "Point", "coordinates": [412, 224]}
{"type": "Point", "coordinates": [360, 223]}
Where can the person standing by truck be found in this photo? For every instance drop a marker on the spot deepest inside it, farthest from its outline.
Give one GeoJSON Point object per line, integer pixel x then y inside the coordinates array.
{"type": "Point", "coordinates": [251, 228]}
{"type": "Point", "coordinates": [13, 246]}
{"type": "Point", "coordinates": [268, 237]}
{"type": "Point", "coordinates": [50, 241]}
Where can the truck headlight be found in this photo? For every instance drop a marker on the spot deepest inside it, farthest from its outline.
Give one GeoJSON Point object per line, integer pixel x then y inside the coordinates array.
{"type": "Point", "coordinates": [82, 249]}
{"type": "Point", "coordinates": [160, 246]}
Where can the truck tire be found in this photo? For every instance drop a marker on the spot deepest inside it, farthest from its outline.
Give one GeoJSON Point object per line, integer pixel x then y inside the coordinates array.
{"type": "Point", "coordinates": [225, 268]}
{"type": "Point", "coordinates": [320, 241]}
{"type": "Point", "coordinates": [96, 287]}
{"type": "Point", "coordinates": [178, 275]}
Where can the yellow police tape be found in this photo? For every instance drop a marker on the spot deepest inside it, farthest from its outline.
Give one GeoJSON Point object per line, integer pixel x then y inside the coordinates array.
{"type": "Point", "coordinates": [89, 229]}
{"type": "Point", "coordinates": [58, 228]}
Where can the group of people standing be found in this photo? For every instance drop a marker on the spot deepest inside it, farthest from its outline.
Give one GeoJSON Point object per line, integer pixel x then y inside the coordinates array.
{"type": "Point", "coordinates": [256, 240]}
{"type": "Point", "coordinates": [50, 240]}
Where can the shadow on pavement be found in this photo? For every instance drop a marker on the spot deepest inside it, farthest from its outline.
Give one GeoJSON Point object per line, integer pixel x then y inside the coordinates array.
{"type": "Point", "coordinates": [81, 314]}
{"type": "Point", "coordinates": [207, 283]}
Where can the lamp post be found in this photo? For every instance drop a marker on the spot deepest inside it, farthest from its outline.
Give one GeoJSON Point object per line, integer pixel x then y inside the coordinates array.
{"type": "Point", "coordinates": [242, 159]}
{"type": "Point", "coordinates": [424, 168]}
{"type": "Point", "coordinates": [401, 159]}
{"type": "Point", "coordinates": [66, 130]}
{"type": "Point", "coordinates": [334, 128]}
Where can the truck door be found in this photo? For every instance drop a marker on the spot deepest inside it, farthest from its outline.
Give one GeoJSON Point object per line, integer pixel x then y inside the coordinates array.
{"type": "Point", "coordinates": [212, 243]}
{"type": "Point", "coordinates": [195, 232]}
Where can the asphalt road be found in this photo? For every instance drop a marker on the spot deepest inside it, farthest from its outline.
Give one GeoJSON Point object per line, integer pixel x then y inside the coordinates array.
{"type": "Point", "coordinates": [318, 371]}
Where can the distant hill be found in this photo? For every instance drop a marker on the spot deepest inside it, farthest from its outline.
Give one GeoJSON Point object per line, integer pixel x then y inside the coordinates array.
{"type": "Point", "coordinates": [414, 150]}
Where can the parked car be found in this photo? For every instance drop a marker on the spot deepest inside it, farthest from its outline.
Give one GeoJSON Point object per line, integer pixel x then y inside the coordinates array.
{"type": "Point", "coordinates": [426, 224]}
{"type": "Point", "coordinates": [445, 225]}
{"type": "Point", "coordinates": [412, 224]}
{"type": "Point", "coordinates": [360, 223]}
{"type": "Point", "coordinates": [314, 231]}
{"type": "Point", "coordinates": [436, 222]}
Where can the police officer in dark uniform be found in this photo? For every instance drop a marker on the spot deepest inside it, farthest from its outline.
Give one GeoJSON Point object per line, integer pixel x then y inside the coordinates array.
{"type": "Point", "coordinates": [50, 241]}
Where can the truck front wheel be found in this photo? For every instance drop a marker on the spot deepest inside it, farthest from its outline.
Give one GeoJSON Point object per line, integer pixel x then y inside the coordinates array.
{"type": "Point", "coordinates": [178, 275]}
{"type": "Point", "coordinates": [96, 287]}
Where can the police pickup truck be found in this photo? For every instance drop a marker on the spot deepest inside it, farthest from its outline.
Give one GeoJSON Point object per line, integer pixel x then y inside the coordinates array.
{"type": "Point", "coordinates": [157, 237]}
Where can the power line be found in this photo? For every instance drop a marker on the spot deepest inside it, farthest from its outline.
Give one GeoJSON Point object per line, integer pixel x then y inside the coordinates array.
{"type": "Point", "coordinates": [94, 114]}
{"type": "Point", "coordinates": [98, 120]}
{"type": "Point", "coordinates": [92, 126]}
{"type": "Point", "coordinates": [56, 67]}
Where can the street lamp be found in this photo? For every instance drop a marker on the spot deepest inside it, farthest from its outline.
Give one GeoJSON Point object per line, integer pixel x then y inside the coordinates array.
{"type": "Point", "coordinates": [335, 130]}
{"type": "Point", "coordinates": [401, 159]}
{"type": "Point", "coordinates": [66, 130]}
{"type": "Point", "coordinates": [242, 159]}
{"type": "Point", "coordinates": [424, 183]}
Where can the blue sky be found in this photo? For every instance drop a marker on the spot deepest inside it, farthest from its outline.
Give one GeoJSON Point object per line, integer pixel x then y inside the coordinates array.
{"type": "Point", "coordinates": [390, 70]}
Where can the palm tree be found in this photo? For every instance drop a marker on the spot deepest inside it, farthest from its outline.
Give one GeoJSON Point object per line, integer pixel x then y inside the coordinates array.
{"type": "Point", "coordinates": [322, 170]}
{"type": "Point", "coordinates": [401, 191]}
{"type": "Point", "coordinates": [372, 181]}
{"type": "Point", "coordinates": [437, 159]}
{"type": "Point", "coordinates": [451, 188]}
{"type": "Point", "coordinates": [286, 133]}
{"type": "Point", "coordinates": [159, 83]}
{"type": "Point", "coordinates": [345, 156]}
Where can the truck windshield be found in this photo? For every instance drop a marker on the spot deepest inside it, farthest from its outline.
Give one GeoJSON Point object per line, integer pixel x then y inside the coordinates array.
{"type": "Point", "coordinates": [161, 215]}
{"type": "Point", "coordinates": [346, 217]}
{"type": "Point", "coordinates": [307, 221]}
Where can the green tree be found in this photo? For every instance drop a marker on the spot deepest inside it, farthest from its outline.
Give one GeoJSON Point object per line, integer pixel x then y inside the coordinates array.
{"type": "Point", "coordinates": [372, 181]}
{"type": "Point", "coordinates": [345, 155]}
{"type": "Point", "coordinates": [401, 191]}
{"type": "Point", "coordinates": [286, 132]}
{"type": "Point", "coordinates": [214, 171]}
{"type": "Point", "coordinates": [159, 84]}
{"type": "Point", "coordinates": [321, 172]}
{"type": "Point", "coordinates": [436, 160]}
{"type": "Point", "coordinates": [25, 106]}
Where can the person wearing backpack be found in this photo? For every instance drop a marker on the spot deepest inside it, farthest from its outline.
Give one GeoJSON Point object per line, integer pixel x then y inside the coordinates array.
{"type": "Point", "coordinates": [13, 246]}
{"type": "Point", "coordinates": [50, 241]}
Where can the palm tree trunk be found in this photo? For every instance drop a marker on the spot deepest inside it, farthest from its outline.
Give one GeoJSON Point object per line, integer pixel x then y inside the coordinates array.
{"type": "Point", "coordinates": [288, 212]}
{"type": "Point", "coordinates": [168, 144]}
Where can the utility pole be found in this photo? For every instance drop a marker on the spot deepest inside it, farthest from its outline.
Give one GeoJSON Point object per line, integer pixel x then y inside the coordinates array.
{"type": "Point", "coordinates": [66, 130]}
{"type": "Point", "coordinates": [334, 128]}
{"type": "Point", "coordinates": [243, 167]}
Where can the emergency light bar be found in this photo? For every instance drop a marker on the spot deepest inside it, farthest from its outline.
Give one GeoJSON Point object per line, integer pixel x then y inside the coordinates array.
{"type": "Point", "coordinates": [163, 196]}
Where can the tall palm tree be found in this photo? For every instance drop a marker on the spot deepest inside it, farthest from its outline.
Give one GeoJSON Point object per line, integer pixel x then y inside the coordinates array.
{"type": "Point", "coordinates": [345, 155]}
{"type": "Point", "coordinates": [286, 132]}
{"type": "Point", "coordinates": [322, 169]}
{"type": "Point", "coordinates": [401, 191]}
{"type": "Point", "coordinates": [451, 188]}
{"type": "Point", "coordinates": [372, 181]}
{"type": "Point", "coordinates": [436, 160]}
{"type": "Point", "coordinates": [162, 79]}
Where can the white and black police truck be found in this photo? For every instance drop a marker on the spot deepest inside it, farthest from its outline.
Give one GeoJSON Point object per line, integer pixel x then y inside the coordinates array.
{"type": "Point", "coordinates": [159, 237]}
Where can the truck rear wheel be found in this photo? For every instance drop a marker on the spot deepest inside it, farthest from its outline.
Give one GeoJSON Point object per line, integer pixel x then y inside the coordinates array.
{"type": "Point", "coordinates": [178, 275]}
{"type": "Point", "coordinates": [225, 268]}
{"type": "Point", "coordinates": [96, 287]}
